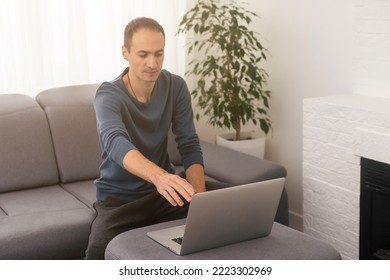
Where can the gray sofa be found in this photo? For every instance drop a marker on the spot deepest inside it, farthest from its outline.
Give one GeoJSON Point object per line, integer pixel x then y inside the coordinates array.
{"type": "Point", "coordinates": [50, 156]}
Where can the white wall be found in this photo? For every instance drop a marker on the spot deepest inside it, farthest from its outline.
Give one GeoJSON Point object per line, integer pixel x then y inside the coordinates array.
{"type": "Point", "coordinates": [310, 42]}
{"type": "Point", "coordinates": [372, 47]}
{"type": "Point", "coordinates": [319, 48]}
{"type": "Point", "coordinates": [311, 46]}
{"type": "Point", "coordinates": [337, 132]}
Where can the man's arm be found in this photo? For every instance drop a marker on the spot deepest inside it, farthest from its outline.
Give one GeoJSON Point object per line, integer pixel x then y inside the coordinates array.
{"type": "Point", "coordinates": [168, 185]}
{"type": "Point", "coordinates": [195, 176]}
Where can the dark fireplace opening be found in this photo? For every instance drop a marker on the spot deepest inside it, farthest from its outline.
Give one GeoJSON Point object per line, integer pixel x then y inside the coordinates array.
{"type": "Point", "coordinates": [374, 238]}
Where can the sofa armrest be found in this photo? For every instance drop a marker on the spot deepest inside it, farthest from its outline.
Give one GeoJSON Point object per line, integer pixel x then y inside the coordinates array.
{"type": "Point", "coordinates": [237, 168]}
{"type": "Point", "coordinates": [233, 167]}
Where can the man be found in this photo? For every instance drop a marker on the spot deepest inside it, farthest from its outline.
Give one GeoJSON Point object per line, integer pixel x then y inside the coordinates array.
{"type": "Point", "coordinates": [137, 184]}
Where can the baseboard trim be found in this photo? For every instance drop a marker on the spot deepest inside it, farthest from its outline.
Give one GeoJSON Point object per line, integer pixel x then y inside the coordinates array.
{"type": "Point", "coordinates": [295, 220]}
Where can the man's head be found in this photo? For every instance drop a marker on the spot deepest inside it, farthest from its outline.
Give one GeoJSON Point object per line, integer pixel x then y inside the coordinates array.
{"type": "Point", "coordinates": [137, 24]}
{"type": "Point", "coordinates": [144, 49]}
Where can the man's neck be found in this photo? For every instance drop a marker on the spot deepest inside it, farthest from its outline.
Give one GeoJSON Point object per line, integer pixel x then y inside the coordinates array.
{"type": "Point", "coordinates": [141, 90]}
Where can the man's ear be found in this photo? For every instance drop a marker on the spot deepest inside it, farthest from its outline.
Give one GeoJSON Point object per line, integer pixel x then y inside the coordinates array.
{"type": "Point", "coordinates": [125, 53]}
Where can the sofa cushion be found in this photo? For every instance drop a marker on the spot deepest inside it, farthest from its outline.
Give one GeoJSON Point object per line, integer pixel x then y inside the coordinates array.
{"type": "Point", "coordinates": [43, 223]}
{"type": "Point", "coordinates": [77, 95]}
{"type": "Point", "coordinates": [75, 142]}
{"type": "Point", "coordinates": [85, 191]}
{"type": "Point", "coordinates": [49, 235]}
{"type": "Point", "coordinates": [27, 157]}
{"type": "Point", "coordinates": [73, 126]}
{"type": "Point", "coordinates": [38, 200]}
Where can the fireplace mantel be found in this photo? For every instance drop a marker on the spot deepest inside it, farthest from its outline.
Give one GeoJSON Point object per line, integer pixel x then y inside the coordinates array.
{"type": "Point", "coordinates": [337, 132]}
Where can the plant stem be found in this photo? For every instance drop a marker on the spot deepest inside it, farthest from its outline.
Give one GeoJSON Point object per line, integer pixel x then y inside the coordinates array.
{"type": "Point", "coordinates": [238, 131]}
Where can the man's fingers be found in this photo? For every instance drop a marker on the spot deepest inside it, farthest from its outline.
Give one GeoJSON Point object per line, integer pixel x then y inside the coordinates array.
{"type": "Point", "coordinates": [172, 194]}
{"type": "Point", "coordinates": [184, 188]}
{"type": "Point", "coordinates": [171, 186]}
{"type": "Point", "coordinates": [170, 199]}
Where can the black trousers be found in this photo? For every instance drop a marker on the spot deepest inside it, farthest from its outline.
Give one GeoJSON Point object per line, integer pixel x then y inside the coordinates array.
{"type": "Point", "coordinates": [114, 216]}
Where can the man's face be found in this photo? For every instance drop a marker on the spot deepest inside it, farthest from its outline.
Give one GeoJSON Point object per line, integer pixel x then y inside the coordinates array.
{"type": "Point", "coordinates": [146, 55]}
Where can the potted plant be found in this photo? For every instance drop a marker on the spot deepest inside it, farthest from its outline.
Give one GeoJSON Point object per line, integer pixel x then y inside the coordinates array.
{"type": "Point", "coordinates": [230, 87]}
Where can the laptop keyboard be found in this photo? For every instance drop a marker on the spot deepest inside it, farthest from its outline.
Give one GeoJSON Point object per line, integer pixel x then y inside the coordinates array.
{"type": "Point", "coordinates": [178, 240]}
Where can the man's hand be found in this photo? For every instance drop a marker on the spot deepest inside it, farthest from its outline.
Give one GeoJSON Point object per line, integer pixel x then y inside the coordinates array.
{"type": "Point", "coordinates": [168, 185]}
{"type": "Point", "coordinates": [172, 187]}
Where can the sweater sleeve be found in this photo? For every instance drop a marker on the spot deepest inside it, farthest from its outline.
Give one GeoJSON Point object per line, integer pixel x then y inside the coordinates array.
{"type": "Point", "coordinates": [183, 127]}
{"type": "Point", "coordinates": [114, 138]}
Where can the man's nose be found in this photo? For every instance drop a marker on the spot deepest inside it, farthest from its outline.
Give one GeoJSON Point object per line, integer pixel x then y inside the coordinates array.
{"type": "Point", "coordinates": [152, 62]}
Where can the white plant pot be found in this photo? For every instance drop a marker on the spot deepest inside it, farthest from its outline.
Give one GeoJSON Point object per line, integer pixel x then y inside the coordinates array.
{"type": "Point", "coordinates": [251, 144]}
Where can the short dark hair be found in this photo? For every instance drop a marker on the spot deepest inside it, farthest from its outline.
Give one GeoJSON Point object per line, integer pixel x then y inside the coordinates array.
{"type": "Point", "coordinates": [138, 23]}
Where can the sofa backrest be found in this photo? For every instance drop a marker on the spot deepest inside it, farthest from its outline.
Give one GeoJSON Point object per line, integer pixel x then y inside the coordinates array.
{"type": "Point", "coordinates": [72, 122]}
{"type": "Point", "coordinates": [27, 158]}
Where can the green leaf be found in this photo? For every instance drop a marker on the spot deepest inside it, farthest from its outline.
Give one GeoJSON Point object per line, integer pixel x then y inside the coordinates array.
{"type": "Point", "coordinates": [226, 65]}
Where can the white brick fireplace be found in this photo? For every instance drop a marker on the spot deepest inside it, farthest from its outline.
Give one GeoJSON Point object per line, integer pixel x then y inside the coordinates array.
{"type": "Point", "coordinates": [337, 131]}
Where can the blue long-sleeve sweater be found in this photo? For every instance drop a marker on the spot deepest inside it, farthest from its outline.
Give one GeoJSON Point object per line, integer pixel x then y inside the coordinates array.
{"type": "Point", "coordinates": [124, 124]}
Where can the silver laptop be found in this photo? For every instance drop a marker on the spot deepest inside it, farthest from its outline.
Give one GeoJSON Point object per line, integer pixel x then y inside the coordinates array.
{"type": "Point", "coordinates": [225, 216]}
